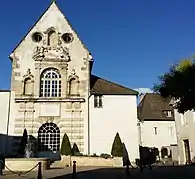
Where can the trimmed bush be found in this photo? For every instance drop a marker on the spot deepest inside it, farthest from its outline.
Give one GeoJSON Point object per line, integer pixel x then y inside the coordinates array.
{"type": "Point", "coordinates": [75, 150]}
{"type": "Point", "coordinates": [117, 147]}
{"type": "Point", "coordinates": [65, 147]}
{"type": "Point", "coordinates": [23, 143]}
{"type": "Point", "coordinates": [105, 156]}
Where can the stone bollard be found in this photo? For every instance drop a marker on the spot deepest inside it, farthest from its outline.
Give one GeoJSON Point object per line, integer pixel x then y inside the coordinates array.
{"type": "Point", "coordinates": [1, 167]}
{"type": "Point", "coordinates": [74, 172]}
{"type": "Point", "coordinates": [39, 174]}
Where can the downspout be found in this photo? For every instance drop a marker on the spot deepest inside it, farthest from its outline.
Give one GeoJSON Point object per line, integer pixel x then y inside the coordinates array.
{"type": "Point", "coordinates": [176, 130]}
{"type": "Point", "coordinates": [140, 132]}
{"type": "Point", "coordinates": [89, 124]}
{"type": "Point", "coordinates": [177, 136]}
{"type": "Point", "coordinates": [8, 120]}
{"type": "Point", "coordinates": [90, 61]}
{"type": "Point", "coordinates": [88, 108]}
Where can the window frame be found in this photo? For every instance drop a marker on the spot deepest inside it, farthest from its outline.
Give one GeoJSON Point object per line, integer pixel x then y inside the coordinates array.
{"type": "Point", "coordinates": [98, 101]}
{"type": "Point", "coordinates": [155, 130]}
{"type": "Point", "coordinates": [50, 83]}
{"type": "Point", "coordinates": [49, 137]}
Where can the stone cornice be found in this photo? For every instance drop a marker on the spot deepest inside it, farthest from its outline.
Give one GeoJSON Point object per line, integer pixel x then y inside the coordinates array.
{"type": "Point", "coordinates": [37, 100]}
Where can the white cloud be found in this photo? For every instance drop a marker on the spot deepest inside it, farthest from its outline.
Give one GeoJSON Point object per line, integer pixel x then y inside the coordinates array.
{"type": "Point", "coordinates": [144, 90]}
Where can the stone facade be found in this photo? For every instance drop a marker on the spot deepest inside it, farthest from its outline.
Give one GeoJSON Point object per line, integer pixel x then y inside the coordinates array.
{"type": "Point", "coordinates": [50, 79]}
{"type": "Point", "coordinates": [53, 92]}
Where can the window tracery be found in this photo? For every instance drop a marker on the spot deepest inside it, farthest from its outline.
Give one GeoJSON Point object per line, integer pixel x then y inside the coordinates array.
{"type": "Point", "coordinates": [50, 83]}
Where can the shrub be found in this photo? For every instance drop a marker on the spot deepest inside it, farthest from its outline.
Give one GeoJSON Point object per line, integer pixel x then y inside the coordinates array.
{"type": "Point", "coordinates": [103, 155]}
{"type": "Point", "coordinates": [117, 147]}
{"type": "Point", "coordinates": [94, 155]}
{"type": "Point", "coordinates": [75, 150]}
{"type": "Point", "coordinates": [23, 143]}
{"type": "Point", "coordinates": [65, 147]}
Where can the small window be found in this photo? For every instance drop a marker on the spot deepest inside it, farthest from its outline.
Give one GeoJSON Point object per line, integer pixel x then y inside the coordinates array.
{"type": "Point", "coordinates": [155, 131]}
{"type": "Point", "coordinates": [67, 38]}
{"type": "Point", "coordinates": [37, 37]}
{"type": "Point", "coordinates": [98, 102]}
{"type": "Point", "coordinates": [169, 113]}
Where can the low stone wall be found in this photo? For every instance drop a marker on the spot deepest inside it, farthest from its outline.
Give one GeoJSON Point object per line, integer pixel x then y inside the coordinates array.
{"type": "Point", "coordinates": [92, 161]}
{"type": "Point", "coordinates": [26, 164]}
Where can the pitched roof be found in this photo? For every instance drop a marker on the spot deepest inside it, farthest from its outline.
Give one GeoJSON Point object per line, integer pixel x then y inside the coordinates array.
{"type": "Point", "coordinates": [52, 3]}
{"type": "Point", "coordinates": [104, 87]}
{"type": "Point", "coordinates": [153, 107]}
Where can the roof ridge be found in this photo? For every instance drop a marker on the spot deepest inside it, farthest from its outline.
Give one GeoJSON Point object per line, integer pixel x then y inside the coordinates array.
{"type": "Point", "coordinates": [102, 86]}
{"type": "Point", "coordinates": [116, 84]}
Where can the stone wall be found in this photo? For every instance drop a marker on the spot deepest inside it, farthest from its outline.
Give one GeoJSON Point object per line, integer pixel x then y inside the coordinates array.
{"type": "Point", "coordinates": [26, 164]}
{"type": "Point", "coordinates": [92, 161]}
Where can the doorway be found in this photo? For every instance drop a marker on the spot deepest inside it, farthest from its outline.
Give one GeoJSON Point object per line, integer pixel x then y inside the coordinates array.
{"type": "Point", "coordinates": [187, 151]}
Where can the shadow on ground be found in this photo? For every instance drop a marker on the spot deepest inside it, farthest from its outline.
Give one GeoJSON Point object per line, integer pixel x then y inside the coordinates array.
{"type": "Point", "coordinates": [162, 172]}
{"type": "Point", "coordinates": [97, 173]}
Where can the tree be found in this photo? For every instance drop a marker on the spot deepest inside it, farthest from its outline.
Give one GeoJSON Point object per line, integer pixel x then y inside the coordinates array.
{"type": "Point", "coordinates": [179, 84]}
{"type": "Point", "coordinates": [117, 147]}
{"type": "Point", "coordinates": [75, 150]}
{"type": "Point", "coordinates": [65, 146]}
{"type": "Point", "coordinates": [23, 143]}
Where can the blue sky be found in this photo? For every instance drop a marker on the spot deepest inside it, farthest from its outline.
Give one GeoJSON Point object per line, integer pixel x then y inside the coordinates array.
{"type": "Point", "coordinates": [132, 41]}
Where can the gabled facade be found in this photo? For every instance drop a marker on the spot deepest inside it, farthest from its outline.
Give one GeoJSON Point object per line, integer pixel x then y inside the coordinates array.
{"type": "Point", "coordinates": [51, 81]}
{"type": "Point", "coordinates": [53, 92]}
{"type": "Point", "coordinates": [157, 123]}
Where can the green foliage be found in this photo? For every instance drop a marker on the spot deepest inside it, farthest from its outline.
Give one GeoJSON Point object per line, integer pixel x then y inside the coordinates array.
{"type": "Point", "coordinates": [117, 147]}
{"type": "Point", "coordinates": [184, 64]}
{"type": "Point", "coordinates": [103, 155]}
{"type": "Point", "coordinates": [65, 147]}
{"type": "Point", "coordinates": [23, 143]}
{"type": "Point", "coordinates": [94, 155]}
{"type": "Point", "coordinates": [179, 84]}
{"type": "Point", "coordinates": [75, 150]}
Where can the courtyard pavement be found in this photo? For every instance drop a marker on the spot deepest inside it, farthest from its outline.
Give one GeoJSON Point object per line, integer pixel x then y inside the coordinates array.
{"type": "Point", "coordinates": [162, 172]}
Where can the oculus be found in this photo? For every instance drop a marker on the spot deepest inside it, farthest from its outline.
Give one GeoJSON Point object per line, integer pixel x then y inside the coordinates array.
{"type": "Point", "coordinates": [67, 38]}
{"type": "Point", "coordinates": [37, 37]}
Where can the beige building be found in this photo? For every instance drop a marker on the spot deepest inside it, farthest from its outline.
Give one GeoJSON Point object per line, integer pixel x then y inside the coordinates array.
{"type": "Point", "coordinates": [157, 125]}
{"type": "Point", "coordinates": [53, 92]}
{"type": "Point", "coordinates": [185, 124]}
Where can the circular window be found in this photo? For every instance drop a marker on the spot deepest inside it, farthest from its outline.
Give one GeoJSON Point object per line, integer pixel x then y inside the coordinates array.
{"type": "Point", "coordinates": [37, 37]}
{"type": "Point", "coordinates": [67, 38]}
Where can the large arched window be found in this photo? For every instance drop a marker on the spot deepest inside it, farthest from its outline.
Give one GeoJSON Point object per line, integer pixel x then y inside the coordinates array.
{"type": "Point", "coordinates": [50, 83]}
{"type": "Point", "coordinates": [49, 137]}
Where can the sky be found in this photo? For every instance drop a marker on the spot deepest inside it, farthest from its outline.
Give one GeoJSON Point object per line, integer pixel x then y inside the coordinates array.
{"type": "Point", "coordinates": [132, 41]}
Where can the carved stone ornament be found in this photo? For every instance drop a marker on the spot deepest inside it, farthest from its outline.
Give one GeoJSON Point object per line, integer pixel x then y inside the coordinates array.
{"type": "Point", "coordinates": [28, 75]}
{"type": "Point", "coordinates": [14, 57]}
{"type": "Point", "coordinates": [73, 75]}
{"type": "Point", "coordinates": [28, 83]}
{"type": "Point", "coordinates": [49, 119]}
{"type": "Point", "coordinates": [49, 53]}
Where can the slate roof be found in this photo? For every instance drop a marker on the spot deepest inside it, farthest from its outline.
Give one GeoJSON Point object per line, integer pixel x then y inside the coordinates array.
{"type": "Point", "coordinates": [104, 87]}
{"type": "Point", "coordinates": [153, 107]}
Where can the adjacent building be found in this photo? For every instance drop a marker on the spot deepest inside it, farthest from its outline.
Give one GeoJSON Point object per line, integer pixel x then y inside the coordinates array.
{"type": "Point", "coordinates": [53, 92]}
{"type": "Point", "coordinates": [185, 124]}
{"type": "Point", "coordinates": [157, 124]}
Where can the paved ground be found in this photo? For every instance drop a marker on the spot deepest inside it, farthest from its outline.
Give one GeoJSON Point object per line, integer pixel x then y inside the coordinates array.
{"type": "Point", "coordinates": [166, 172]}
